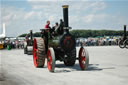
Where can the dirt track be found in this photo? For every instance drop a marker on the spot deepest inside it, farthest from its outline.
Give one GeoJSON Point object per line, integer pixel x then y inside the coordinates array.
{"type": "Point", "coordinates": [108, 66]}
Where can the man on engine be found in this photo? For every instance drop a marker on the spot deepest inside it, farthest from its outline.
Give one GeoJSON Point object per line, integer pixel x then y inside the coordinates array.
{"type": "Point", "coordinates": [47, 27]}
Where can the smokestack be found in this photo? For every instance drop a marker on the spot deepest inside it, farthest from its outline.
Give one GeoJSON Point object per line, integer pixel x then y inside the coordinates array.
{"type": "Point", "coordinates": [65, 15]}
{"type": "Point", "coordinates": [125, 32]}
{"type": "Point", "coordinates": [31, 35]}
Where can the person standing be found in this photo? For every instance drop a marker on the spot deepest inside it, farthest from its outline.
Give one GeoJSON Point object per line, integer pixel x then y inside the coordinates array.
{"type": "Point", "coordinates": [47, 27]}
{"type": "Point", "coordinates": [60, 29]}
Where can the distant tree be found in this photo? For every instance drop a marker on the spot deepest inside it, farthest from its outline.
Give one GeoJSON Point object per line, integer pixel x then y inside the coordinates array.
{"type": "Point", "coordinates": [22, 35]}
{"type": "Point", "coordinates": [88, 33]}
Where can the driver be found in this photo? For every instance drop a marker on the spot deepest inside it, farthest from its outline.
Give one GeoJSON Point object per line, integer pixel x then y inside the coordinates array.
{"type": "Point", "coordinates": [47, 27]}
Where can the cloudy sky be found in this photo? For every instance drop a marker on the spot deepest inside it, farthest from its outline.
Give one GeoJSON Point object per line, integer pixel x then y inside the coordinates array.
{"type": "Point", "coordinates": [22, 15]}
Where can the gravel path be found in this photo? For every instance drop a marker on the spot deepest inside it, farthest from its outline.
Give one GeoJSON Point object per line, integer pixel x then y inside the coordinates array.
{"type": "Point", "coordinates": [108, 66]}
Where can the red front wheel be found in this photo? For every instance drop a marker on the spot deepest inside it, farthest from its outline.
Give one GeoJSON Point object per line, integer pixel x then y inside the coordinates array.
{"type": "Point", "coordinates": [51, 60]}
{"type": "Point", "coordinates": [83, 58]}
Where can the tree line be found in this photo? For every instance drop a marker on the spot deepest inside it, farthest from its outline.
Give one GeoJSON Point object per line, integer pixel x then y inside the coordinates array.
{"type": "Point", "coordinates": [87, 33]}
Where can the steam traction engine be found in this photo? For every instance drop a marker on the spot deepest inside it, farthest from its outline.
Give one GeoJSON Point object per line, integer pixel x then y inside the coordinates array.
{"type": "Point", "coordinates": [61, 47]}
{"type": "Point", "coordinates": [123, 43]}
{"type": "Point", "coordinates": [28, 44]}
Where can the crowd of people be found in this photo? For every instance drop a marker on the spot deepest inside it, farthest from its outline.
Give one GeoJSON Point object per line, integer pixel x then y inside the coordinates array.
{"type": "Point", "coordinates": [98, 41]}
{"type": "Point", "coordinates": [15, 44]}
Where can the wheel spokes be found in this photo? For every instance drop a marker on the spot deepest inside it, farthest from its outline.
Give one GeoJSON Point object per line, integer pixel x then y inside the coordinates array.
{"type": "Point", "coordinates": [49, 60]}
{"type": "Point", "coordinates": [35, 52]}
{"type": "Point", "coordinates": [82, 58]}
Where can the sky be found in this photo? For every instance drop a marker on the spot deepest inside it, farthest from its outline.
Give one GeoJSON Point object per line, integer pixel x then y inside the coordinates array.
{"type": "Point", "coordinates": [20, 16]}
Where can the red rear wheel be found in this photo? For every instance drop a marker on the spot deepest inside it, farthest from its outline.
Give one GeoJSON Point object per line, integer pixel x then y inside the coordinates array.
{"type": "Point", "coordinates": [83, 58]}
{"type": "Point", "coordinates": [38, 52]}
{"type": "Point", "coordinates": [51, 60]}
